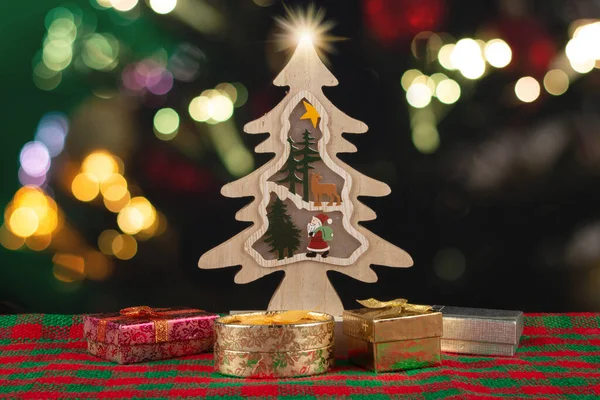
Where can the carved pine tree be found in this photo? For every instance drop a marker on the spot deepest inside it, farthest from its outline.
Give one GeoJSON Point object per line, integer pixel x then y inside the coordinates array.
{"type": "Point", "coordinates": [305, 284]}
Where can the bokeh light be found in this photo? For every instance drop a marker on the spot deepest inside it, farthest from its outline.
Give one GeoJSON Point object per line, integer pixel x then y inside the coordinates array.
{"type": "Point", "coordinates": [166, 123]}
{"type": "Point", "coordinates": [498, 53]}
{"type": "Point", "coordinates": [527, 89]}
{"type": "Point", "coordinates": [123, 5]}
{"type": "Point", "coordinates": [45, 78]}
{"type": "Point", "coordinates": [101, 52]}
{"type": "Point", "coordinates": [124, 247]}
{"type": "Point", "coordinates": [23, 221]}
{"type": "Point", "coordinates": [28, 180]}
{"type": "Point", "coordinates": [9, 240]}
{"type": "Point", "coordinates": [97, 266]}
{"type": "Point", "coordinates": [114, 188]}
{"type": "Point", "coordinates": [556, 82]}
{"type": "Point", "coordinates": [426, 138]}
{"type": "Point", "coordinates": [68, 267]}
{"type": "Point", "coordinates": [100, 164]}
{"type": "Point", "coordinates": [117, 205]}
{"type": "Point", "coordinates": [163, 6]}
{"type": "Point", "coordinates": [146, 209]}
{"type": "Point", "coordinates": [38, 242]}
{"type": "Point", "coordinates": [105, 241]}
{"type": "Point", "coordinates": [222, 108]}
{"type": "Point", "coordinates": [52, 131]}
{"type": "Point", "coordinates": [448, 91]}
{"type": "Point", "coordinates": [200, 109]}
{"type": "Point", "coordinates": [85, 187]}
{"type": "Point", "coordinates": [408, 77]}
{"type": "Point", "coordinates": [241, 94]}
{"type": "Point", "coordinates": [35, 159]}
{"type": "Point", "coordinates": [419, 95]}
{"type": "Point", "coordinates": [444, 56]}
{"type": "Point", "coordinates": [212, 106]}
{"type": "Point", "coordinates": [130, 220]}
{"type": "Point", "coordinates": [583, 50]}
{"type": "Point", "coordinates": [468, 59]}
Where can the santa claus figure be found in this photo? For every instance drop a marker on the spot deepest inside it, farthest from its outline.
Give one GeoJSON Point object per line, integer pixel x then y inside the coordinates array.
{"type": "Point", "coordinates": [320, 235]}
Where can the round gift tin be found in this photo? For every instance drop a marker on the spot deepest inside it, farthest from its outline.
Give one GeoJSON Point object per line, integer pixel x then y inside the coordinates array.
{"type": "Point", "coordinates": [274, 351]}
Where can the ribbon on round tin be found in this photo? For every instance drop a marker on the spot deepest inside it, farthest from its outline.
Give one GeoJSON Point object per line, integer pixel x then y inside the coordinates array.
{"type": "Point", "coordinates": [159, 318]}
{"type": "Point", "coordinates": [393, 307]}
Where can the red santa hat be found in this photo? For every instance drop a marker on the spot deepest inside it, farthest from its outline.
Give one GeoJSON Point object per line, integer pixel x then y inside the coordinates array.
{"type": "Point", "coordinates": [324, 218]}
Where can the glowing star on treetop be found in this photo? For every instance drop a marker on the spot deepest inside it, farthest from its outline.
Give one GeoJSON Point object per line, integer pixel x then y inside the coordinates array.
{"type": "Point", "coordinates": [311, 113]}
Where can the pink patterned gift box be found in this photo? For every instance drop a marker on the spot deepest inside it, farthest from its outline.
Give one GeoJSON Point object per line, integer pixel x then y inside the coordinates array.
{"type": "Point", "coordinates": [143, 333]}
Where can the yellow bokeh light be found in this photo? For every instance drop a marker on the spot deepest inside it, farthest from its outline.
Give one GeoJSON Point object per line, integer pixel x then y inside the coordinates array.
{"type": "Point", "coordinates": [238, 161]}
{"type": "Point", "coordinates": [228, 90]}
{"type": "Point", "coordinates": [57, 54]}
{"type": "Point", "coordinates": [48, 223]}
{"type": "Point", "coordinates": [124, 247]}
{"type": "Point", "coordinates": [117, 205]}
{"type": "Point", "coordinates": [68, 267]}
{"type": "Point", "coordinates": [444, 56]}
{"type": "Point", "coordinates": [63, 29]}
{"type": "Point", "coordinates": [222, 108]}
{"type": "Point", "coordinates": [114, 188]}
{"type": "Point", "coordinates": [430, 83]}
{"type": "Point", "coordinates": [85, 187]}
{"type": "Point", "coordinates": [123, 5]}
{"type": "Point", "coordinates": [23, 221]}
{"type": "Point", "coordinates": [146, 210]}
{"type": "Point", "coordinates": [408, 77]}
{"type": "Point", "coordinates": [46, 78]}
{"type": "Point", "coordinates": [200, 108]}
{"type": "Point", "coordinates": [38, 243]}
{"type": "Point", "coordinates": [438, 77]}
{"type": "Point", "coordinates": [583, 67]}
{"type": "Point", "coordinates": [130, 220]}
{"type": "Point", "coordinates": [448, 91]}
{"type": "Point", "coordinates": [105, 241]}
{"type": "Point", "coordinates": [166, 123]}
{"type": "Point", "coordinates": [97, 266]}
{"type": "Point", "coordinates": [468, 59]}
{"type": "Point", "coordinates": [426, 138]}
{"type": "Point", "coordinates": [498, 53]}
{"type": "Point", "coordinates": [101, 165]}
{"type": "Point", "coordinates": [163, 6]}
{"type": "Point", "coordinates": [527, 89]}
{"type": "Point", "coordinates": [9, 240]}
{"type": "Point", "coordinates": [104, 3]}
{"type": "Point", "coordinates": [419, 95]}
{"type": "Point", "coordinates": [556, 82]}
{"type": "Point", "coordinates": [100, 52]}
{"type": "Point", "coordinates": [34, 198]}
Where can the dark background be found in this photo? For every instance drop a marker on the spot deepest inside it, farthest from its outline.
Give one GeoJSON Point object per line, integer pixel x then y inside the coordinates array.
{"type": "Point", "coordinates": [504, 214]}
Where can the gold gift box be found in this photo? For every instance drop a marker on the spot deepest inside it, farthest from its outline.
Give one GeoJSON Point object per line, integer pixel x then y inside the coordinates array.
{"type": "Point", "coordinates": [274, 350]}
{"type": "Point", "coordinates": [402, 341]}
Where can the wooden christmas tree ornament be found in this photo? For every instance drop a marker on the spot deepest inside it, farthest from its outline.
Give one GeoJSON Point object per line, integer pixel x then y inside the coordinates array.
{"type": "Point", "coordinates": [305, 211]}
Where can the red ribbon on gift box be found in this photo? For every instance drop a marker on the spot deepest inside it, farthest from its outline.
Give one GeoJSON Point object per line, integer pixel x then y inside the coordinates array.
{"type": "Point", "coordinates": [160, 318]}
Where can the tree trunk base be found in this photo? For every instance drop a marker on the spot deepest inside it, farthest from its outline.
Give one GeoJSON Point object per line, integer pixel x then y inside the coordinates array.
{"type": "Point", "coordinates": [307, 287]}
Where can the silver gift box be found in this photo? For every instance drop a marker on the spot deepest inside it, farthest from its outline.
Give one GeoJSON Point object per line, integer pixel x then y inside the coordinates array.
{"type": "Point", "coordinates": [480, 331]}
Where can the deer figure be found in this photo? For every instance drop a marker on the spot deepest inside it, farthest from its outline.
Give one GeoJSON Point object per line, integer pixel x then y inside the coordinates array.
{"type": "Point", "coordinates": [318, 189]}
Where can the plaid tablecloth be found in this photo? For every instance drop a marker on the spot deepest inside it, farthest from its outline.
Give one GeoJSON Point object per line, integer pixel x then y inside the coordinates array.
{"type": "Point", "coordinates": [42, 356]}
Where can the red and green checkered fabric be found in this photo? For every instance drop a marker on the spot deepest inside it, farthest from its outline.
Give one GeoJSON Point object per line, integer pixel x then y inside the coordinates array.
{"type": "Point", "coordinates": [44, 357]}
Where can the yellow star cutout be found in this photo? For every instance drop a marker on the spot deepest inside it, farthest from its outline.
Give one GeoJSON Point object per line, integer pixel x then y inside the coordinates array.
{"type": "Point", "coordinates": [311, 113]}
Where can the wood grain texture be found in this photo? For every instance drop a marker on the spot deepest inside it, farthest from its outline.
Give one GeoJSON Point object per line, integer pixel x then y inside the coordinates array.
{"type": "Point", "coordinates": [305, 284]}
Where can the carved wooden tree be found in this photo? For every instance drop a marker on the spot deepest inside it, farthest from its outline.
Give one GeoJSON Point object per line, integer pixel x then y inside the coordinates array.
{"type": "Point", "coordinates": [305, 284]}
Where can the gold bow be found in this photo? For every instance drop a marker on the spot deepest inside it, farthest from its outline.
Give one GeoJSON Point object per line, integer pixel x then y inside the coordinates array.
{"type": "Point", "coordinates": [159, 318]}
{"type": "Point", "coordinates": [287, 317]}
{"type": "Point", "coordinates": [393, 307]}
